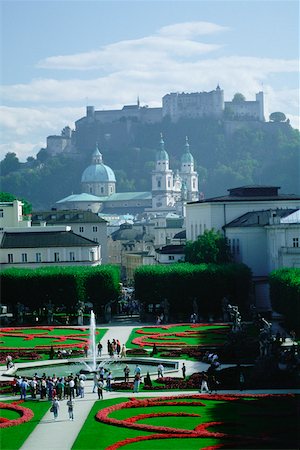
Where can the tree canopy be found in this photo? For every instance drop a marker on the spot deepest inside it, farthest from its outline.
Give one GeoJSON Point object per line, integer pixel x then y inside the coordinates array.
{"type": "Point", "coordinates": [277, 117]}
{"type": "Point", "coordinates": [210, 247]}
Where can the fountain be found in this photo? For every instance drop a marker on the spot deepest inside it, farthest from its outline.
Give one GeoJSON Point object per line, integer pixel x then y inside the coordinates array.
{"type": "Point", "coordinates": [92, 345]}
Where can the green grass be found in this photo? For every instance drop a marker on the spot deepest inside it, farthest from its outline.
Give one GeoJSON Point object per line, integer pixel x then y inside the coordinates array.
{"type": "Point", "coordinates": [14, 437]}
{"type": "Point", "coordinates": [274, 418]}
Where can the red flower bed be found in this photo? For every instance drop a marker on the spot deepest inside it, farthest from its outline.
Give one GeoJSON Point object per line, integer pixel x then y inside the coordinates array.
{"type": "Point", "coordinates": [200, 431]}
{"type": "Point", "coordinates": [171, 339]}
{"type": "Point", "coordinates": [42, 333]}
{"type": "Point", "coordinates": [137, 351]}
{"type": "Point", "coordinates": [26, 415]}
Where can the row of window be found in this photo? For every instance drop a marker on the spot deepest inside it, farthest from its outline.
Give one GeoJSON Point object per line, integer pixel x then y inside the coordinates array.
{"type": "Point", "coordinates": [38, 257]}
{"type": "Point", "coordinates": [195, 232]}
{"type": "Point", "coordinates": [95, 229]}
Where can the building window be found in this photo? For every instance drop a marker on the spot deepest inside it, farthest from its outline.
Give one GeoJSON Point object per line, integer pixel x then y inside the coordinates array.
{"type": "Point", "coordinates": [295, 242]}
{"type": "Point", "coordinates": [102, 190]}
{"type": "Point", "coordinates": [171, 258]}
{"type": "Point", "coordinates": [158, 184]}
{"type": "Point", "coordinates": [10, 258]}
{"type": "Point", "coordinates": [233, 246]}
{"type": "Point", "coordinates": [95, 229]}
{"type": "Point", "coordinates": [91, 190]}
{"type": "Point", "coordinates": [24, 257]}
{"type": "Point", "coordinates": [194, 183]}
{"type": "Point", "coordinates": [81, 229]}
{"type": "Point", "coordinates": [192, 232]}
{"type": "Point", "coordinates": [38, 257]}
{"type": "Point", "coordinates": [237, 246]}
{"type": "Point", "coordinates": [1, 212]}
{"type": "Point", "coordinates": [92, 256]}
{"type": "Point", "coordinates": [72, 256]}
{"type": "Point", "coordinates": [169, 182]}
{"type": "Point", "coordinates": [56, 256]}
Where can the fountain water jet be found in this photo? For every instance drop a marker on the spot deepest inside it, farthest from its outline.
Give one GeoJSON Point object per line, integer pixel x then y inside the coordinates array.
{"type": "Point", "coordinates": [92, 351]}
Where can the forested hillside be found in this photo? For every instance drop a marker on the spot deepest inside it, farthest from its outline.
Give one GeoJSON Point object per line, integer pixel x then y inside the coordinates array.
{"type": "Point", "coordinates": [255, 153]}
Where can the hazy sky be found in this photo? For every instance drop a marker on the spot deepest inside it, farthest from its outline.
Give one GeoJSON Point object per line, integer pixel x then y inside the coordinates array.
{"type": "Point", "coordinates": [59, 56]}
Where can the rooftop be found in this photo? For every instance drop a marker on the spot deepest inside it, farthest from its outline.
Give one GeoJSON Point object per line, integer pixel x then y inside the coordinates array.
{"type": "Point", "coordinates": [36, 239]}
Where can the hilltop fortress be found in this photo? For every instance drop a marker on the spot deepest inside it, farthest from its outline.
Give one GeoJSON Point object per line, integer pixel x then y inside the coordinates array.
{"type": "Point", "coordinates": [175, 106]}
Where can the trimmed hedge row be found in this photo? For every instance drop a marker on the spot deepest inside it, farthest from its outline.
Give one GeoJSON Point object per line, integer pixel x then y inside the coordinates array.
{"type": "Point", "coordinates": [181, 284]}
{"type": "Point", "coordinates": [285, 294]}
{"type": "Point", "coordinates": [60, 285]}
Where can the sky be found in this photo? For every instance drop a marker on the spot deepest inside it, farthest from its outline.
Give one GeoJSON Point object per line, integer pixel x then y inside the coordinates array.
{"type": "Point", "coordinates": [59, 56]}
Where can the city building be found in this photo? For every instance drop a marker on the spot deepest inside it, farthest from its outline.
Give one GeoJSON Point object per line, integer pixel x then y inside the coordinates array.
{"type": "Point", "coordinates": [39, 247]}
{"type": "Point", "coordinates": [262, 227]}
{"type": "Point", "coordinates": [84, 223]}
{"type": "Point", "coordinates": [24, 245]}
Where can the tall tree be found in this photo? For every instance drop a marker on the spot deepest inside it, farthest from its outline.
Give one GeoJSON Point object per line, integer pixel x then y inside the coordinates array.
{"type": "Point", "coordinates": [9, 164]}
{"type": "Point", "coordinates": [210, 247]}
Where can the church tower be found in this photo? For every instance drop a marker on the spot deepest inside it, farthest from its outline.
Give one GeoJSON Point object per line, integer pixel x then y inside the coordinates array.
{"type": "Point", "coordinates": [188, 174]}
{"type": "Point", "coordinates": [162, 180]}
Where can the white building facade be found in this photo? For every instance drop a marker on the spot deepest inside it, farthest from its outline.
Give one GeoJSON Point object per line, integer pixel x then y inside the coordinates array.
{"type": "Point", "coordinates": [257, 222]}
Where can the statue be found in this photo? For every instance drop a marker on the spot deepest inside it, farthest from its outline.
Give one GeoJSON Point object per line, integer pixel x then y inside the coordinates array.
{"type": "Point", "coordinates": [265, 337]}
{"type": "Point", "coordinates": [235, 317]}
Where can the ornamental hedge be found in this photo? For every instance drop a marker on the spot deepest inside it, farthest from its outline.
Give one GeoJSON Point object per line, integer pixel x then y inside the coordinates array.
{"type": "Point", "coordinates": [60, 285]}
{"type": "Point", "coordinates": [182, 284]}
{"type": "Point", "coordinates": [285, 294]}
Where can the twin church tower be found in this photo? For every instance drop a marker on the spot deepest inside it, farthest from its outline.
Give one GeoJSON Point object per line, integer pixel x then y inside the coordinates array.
{"type": "Point", "coordinates": [169, 189]}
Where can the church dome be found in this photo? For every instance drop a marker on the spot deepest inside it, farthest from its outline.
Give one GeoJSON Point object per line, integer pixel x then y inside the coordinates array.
{"type": "Point", "coordinates": [187, 157]}
{"type": "Point", "coordinates": [161, 154]}
{"type": "Point", "coordinates": [98, 172]}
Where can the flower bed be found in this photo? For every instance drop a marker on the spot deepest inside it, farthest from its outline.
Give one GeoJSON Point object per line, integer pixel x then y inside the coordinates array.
{"type": "Point", "coordinates": [218, 428]}
{"type": "Point", "coordinates": [180, 336]}
{"type": "Point", "coordinates": [26, 414]}
{"type": "Point", "coordinates": [40, 339]}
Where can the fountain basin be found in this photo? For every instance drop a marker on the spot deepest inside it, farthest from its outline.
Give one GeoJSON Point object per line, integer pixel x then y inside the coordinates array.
{"type": "Point", "coordinates": [116, 366]}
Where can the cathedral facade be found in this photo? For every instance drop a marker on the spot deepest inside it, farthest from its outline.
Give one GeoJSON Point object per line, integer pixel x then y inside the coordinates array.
{"type": "Point", "coordinates": [171, 189]}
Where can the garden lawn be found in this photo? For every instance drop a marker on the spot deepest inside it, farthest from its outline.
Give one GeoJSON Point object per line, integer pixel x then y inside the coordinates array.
{"type": "Point", "coordinates": [177, 336]}
{"type": "Point", "coordinates": [15, 436]}
{"type": "Point", "coordinates": [264, 422]}
{"type": "Point", "coordinates": [45, 337]}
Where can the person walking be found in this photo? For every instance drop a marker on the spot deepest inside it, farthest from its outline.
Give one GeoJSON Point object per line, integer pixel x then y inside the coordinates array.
{"type": "Point", "coordinates": [100, 389]}
{"type": "Point", "coordinates": [70, 404]}
{"type": "Point", "coordinates": [126, 373]}
{"type": "Point", "coordinates": [55, 408]}
{"type": "Point", "coordinates": [23, 388]}
{"type": "Point", "coordinates": [108, 381]}
{"type": "Point", "coordinates": [136, 383]}
{"type": "Point", "coordinates": [71, 387]}
{"type": "Point", "coordinates": [81, 388]}
{"type": "Point", "coordinates": [183, 368]}
{"type": "Point", "coordinates": [203, 383]}
{"type": "Point", "coordinates": [160, 370]}
{"type": "Point", "coordinates": [123, 351]}
{"type": "Point", "coordinates": [95, 379]}
{"type": "Point", "coordinates": [99, 347]}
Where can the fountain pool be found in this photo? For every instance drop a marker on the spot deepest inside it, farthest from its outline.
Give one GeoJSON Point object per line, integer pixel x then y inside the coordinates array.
{"type": "Point", "coordinates": [115, 366]}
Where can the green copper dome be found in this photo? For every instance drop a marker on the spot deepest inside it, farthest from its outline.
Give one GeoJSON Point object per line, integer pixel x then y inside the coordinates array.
{"type": "Point", "coordinates": [98, 172]}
